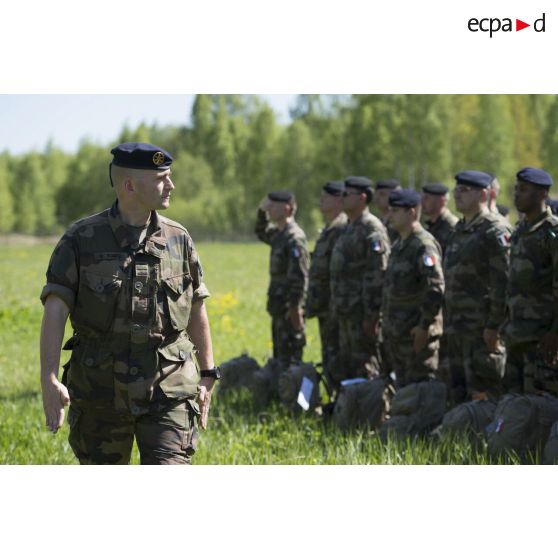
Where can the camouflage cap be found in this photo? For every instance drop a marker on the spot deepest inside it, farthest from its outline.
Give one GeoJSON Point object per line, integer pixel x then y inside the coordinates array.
{"type": "Point", "coordinates": [135, 155]}
{"type": "Point", "coordinates": [474, 178]}
{"type": "Point", "coordinates": [539, 177]}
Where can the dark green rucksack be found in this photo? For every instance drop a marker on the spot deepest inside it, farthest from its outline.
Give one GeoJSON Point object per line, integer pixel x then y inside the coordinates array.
{"type": "Point", "coordinates": [416, 409]}
{"type": "Point", "coordinates": [361, 403]}
{"type": "Point", "coordinates": [299, 377]}
{"type": "Point", "coordinates": [469, 419]}
{"type": "Point", "coordinates": [521, 425]}
{"type": "Point", "coordinates": [265, 383]}
{"type": "Point", "coordinates": [237, 373]}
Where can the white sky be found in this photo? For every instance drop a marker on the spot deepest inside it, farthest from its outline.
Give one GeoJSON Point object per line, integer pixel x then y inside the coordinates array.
{"type": "Point", "coordinates": [28, 122]}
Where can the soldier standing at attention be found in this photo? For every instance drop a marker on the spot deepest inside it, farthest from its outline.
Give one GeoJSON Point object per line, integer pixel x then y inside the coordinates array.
{"type": "Point", "coordinates": [381, 201]}
{"type": "Point", "coordinates": [288, 268]}
{"type": "Point", "coordinates": [131, 282]}
{"type": "Point", "coordinates": [531, 329]}
{"type": "Point", "coordinates": [440, 221]}
{"type": "Point", "coordinates": [357, 267]}
{"type": "Point", "coordinates": [412, 295]}
{"type": "Point", "coordinates": [475, 270]}
{"type": "Point", "coordinates": [318, 303]}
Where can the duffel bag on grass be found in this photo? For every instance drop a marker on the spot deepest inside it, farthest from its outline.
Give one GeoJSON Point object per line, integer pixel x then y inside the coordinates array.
{"type": "Point", "coordinates": [265, 382]}
{"type": "Point", "coordinates": [521, 425]}
{"type": "Point", "coordinates": [469, 419]}
{"type": "Point", "coordinates": [298, 387]}
{"type": "Point", "coordinates": [361, 403]}
{"type": "Point", "coordinates": [415, 409]}
{"type": "Point", "coordinates": [237, 372]}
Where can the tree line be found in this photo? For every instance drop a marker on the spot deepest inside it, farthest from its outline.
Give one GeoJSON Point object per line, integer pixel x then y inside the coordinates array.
{"type": "Point", "coordinates": [233, 149]}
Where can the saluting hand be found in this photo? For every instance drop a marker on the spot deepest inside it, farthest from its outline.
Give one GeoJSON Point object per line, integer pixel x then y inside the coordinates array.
{"type": "Point", "coordinates": [55, 398]}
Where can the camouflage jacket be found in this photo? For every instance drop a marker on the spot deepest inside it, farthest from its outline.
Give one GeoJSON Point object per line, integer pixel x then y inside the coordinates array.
{"type": "Point", "coordinates": [413, 286]}
{"type": "Point", "coordinates": [288, 264]}
{"type": "Point", "coordinates": [358, 264]}
{"type": "Point", "coordinates": [129, 306]}
{"type": "Point", "coordinates": [476, 272]}
{"type": "Point", "coordinates": [532, 294]}
{"type": "Point", "coordinates": [442, 228]}
{"type": "Point", "coordinates": [318, 287]}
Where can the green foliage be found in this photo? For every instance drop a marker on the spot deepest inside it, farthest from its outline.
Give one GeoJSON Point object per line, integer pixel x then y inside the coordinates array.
{"type": "Point", "coordinates": [234, 150]}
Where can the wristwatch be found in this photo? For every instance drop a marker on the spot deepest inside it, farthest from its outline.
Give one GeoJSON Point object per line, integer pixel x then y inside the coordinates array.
{"type": "Point", "coordinates": [214, 373]}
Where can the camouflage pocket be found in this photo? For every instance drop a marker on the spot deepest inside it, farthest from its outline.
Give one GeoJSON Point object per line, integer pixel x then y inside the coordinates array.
{"type": "Point", "coordinates": [74, 437]}
{"type": "Point", "coordinates": [96, 301]}
{"type": "Point", "coordinates": [179, 293]}
{"type": "Point", "coordinates": [180, 377]}
{"type": "Point", "coordinates": [91, 373]}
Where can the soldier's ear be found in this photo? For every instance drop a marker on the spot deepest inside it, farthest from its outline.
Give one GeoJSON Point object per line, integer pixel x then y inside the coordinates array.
{"type": "Point", "coordinates": [129, 185]}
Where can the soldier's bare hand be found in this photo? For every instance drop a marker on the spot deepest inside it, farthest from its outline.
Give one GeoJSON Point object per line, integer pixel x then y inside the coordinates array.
{"type": "Point", "coordinates": [549, 347]}
{"type": "Point", "coordinates": [420, 340]}
{"type": "Point", "coordinates": [55, 398]}
{"type": "Point", "coordinates": [264, 204]}
{"type": "Point", "coordinates": [296, 317]}
{"type": "Point", "coordinates": [492, 340]}
{"type": "Point", "coordinates": [204, 398]}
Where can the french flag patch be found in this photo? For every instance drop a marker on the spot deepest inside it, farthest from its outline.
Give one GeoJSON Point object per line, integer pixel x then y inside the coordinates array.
{"type": "Point", "coordinates": [376, 246]}
{"type": "Point", "coordinates": [429, 260]}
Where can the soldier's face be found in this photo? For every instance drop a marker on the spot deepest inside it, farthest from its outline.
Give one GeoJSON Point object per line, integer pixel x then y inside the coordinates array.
{"type": "Point", "coordinates": [381, 199]}
{"type": "Point", "coordinates": [329, 203]}
{"type": "Point", "coordinates": [431, 203]}
{"type": "Point", "coordinates": [353, 200]}
{"type": "Point", "coordinates": [467, 198]}
{"type": "Point", "coordinates": [153, 189]}
{"type": "Point", "coordinates": [528, 197]}
{"type": "Point", "coordinates": [401, 218]}
{"type": "Point", "coordinates": [277, 211]}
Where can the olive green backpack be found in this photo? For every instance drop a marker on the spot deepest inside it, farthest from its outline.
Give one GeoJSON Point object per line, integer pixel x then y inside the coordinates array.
{"type": "Point", "coordinates": [416, 409]}
{"type": "Point", "coordinates": [299, 388]}
{"type": "Point", "coordinates": [237, 373]}
{"type": "Point", "coordinates": [469, 419]}
{"type": "Point", "coordinates": [265, 383]}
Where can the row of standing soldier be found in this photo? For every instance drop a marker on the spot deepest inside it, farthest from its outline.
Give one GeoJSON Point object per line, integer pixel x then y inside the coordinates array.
{"type": "Point", "coordinates": [447, 300]}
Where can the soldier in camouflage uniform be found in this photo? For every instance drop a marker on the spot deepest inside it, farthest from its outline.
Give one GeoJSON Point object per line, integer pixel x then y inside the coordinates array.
{"type": "Point", "coordinates": [381, 201]}
{"type": "Point", "coordinates": [357, 268]}
{"type": "Point", "coordinates": [531, 328]}
{"type": "Point", "coordinates": [318, 303]}
{"type": "Point", "coordinates": [288, 268]}
{"type": "Point", "coordinates": [440, 221]}
{"type": "Point", "coordinates": [475, 270]}
{"type": "Point", "coordinates": [412, 294]}
{"type": "Point", "coordinates": [131, 282]}
{"type": "Point", "coordinates": [496, 208]}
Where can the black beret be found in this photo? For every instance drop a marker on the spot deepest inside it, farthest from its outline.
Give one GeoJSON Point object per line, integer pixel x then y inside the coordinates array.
{"type": "Point", "coordinates": [436, 189]}
{"type": "Point", "coordinates": [358, 182]}
{"type": "Point", "coordinates": [389, 184]}
{"type": "Point", "coordinates": [335, 188]}
{"type": "Point", "coordinates": [553, 204]}
{"type": "Point", "coordinates": [538, 177]}
{"type": "Point", "coordinates": [404, 198]}
{"type": "Point", "coordinates": [135, 155]}
{"type": "Point", "coordinates": [281, 196]}
{"type": "Point", "coordinates": [474, 178]}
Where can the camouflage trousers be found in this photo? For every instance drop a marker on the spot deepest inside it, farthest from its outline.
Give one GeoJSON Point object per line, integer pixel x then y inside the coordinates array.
{"type": "Point", "coordinates": [359, 353]}
{"type": "Point", "coordinates": [166, 435]}
{"type": "Point", "coordinates": [329, 337]}
{"type": "Point", "coordinates": [526, 371]}
{"type": "Point", "coordinates": [288, 343]}
{"type": "Point", "coordinates": [473, 370]}
{"type": "Point", "coordinates": [409, 366]}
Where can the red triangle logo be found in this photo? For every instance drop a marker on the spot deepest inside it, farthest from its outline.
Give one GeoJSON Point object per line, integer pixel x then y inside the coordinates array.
{"type": "Point", "coordinates": [519, 25]}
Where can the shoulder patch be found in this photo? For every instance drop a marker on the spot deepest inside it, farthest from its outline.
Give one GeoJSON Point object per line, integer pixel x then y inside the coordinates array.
{"type": "Point", "coordinates": [429, 260]}
{"type": "Point", "coordinates": [295, 252]}
{"type": "Point", "coordinates": [504, 239]}
{"type": "Point", "coordinates": [376, 245]}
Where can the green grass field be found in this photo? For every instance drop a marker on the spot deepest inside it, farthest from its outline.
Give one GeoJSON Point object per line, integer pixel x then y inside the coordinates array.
{"type": "Point", "coordinates": [236, 275]}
